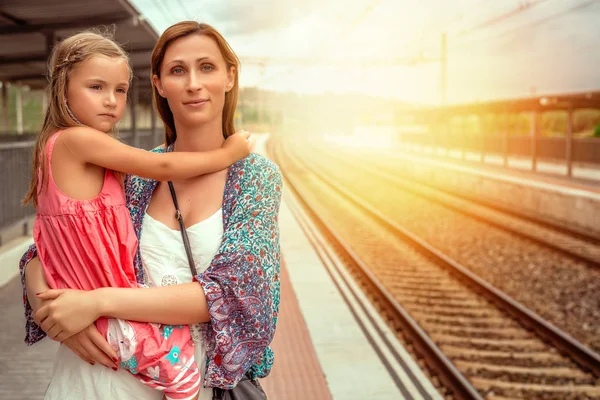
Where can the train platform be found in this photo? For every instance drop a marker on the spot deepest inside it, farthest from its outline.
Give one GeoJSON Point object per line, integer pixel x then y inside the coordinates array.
{"type": "Point", "coordinates": [324, 350]}
{"type": "Point", "coordinates": [570, 202]}
{"type": "Point", "coordinates": [547, 172]}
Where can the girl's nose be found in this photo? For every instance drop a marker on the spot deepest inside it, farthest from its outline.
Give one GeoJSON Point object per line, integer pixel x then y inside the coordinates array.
{"type": "Point", "coordinates": [110, 101]}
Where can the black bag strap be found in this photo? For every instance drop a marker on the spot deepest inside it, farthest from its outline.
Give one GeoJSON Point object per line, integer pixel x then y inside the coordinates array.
{"type": "Point", "coordinates": [186, 241]}
{"type": "Point", "coordinates": [246, 388]}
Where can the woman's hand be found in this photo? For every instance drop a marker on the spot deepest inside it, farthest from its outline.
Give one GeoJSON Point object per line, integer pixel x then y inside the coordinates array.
{"type": "Point", "coordinates": [66, 312]}
{"type": "Point", "coordinates": [92, 347]}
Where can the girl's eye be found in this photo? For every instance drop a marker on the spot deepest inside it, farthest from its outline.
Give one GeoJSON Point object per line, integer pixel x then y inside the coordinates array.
{"type": "Point", "coordinates": [95, 87]}
{"type": "Point", "coordinates": [121, 90]}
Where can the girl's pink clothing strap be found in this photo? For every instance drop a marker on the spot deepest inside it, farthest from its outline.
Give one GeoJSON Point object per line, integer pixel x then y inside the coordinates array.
{"type": "Point", "coordinates": [84, 244]}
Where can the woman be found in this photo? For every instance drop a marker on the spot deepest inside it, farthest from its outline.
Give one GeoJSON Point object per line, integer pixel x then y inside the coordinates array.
{"type": "Point", "coordinates": [231, 218]}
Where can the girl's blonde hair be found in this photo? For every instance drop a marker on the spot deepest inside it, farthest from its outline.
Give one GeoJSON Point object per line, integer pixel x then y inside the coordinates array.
{"type": "Point", "coordinates": [174, 32]}
{"type": "Point", "coordinates": [66, 56]}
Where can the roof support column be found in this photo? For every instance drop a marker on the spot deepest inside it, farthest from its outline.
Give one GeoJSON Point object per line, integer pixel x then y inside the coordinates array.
{"type": "Point", "coordinates": [535, 127]}
{"type": "Point", "coordinates": [19, 108]}
{"type": "Point", "coordinates": [569, 142]}
{"type": "Point", "coordinates": [5, 106]}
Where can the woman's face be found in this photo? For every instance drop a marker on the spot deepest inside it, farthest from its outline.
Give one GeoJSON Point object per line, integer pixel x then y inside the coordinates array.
{"type": "Point", "coordinates": [194, 79]}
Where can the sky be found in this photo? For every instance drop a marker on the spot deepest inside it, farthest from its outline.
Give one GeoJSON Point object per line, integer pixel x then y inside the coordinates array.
{"type": "Point", "coordinates": [496, 49]}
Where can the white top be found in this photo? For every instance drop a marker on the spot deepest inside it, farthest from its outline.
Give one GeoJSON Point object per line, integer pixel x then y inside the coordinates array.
{"type": "Point", "coordinates": [165, 261]}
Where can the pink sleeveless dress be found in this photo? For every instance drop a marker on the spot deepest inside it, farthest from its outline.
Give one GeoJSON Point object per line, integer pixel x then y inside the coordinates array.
{"type": "Point", "coordinates": [90, 244]}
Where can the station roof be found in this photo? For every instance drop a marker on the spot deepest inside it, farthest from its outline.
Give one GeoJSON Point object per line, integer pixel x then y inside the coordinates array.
{"type": "Point", "coordinates": [29, 28]}
{"type": "Point", "coordinates": [590, 99]}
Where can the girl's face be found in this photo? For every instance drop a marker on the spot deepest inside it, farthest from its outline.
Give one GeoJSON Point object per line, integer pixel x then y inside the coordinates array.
{"type": "Point", "coordinates": [97, 91]}
{"type": "Point", "coordinates": [194, 79]}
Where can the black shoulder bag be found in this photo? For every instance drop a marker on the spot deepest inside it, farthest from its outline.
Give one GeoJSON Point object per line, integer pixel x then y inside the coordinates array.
{"type": "Point", "coordinates": [246, 389]}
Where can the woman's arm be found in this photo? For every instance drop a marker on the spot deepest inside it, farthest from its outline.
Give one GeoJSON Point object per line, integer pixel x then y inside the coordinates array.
{"type": "Point", "coordinates": [95, 147]}
{"type": "Point", "coordinates": [181, 304]}
{"type": "Point", "coordinates": [69, 311]}
{"type": "Point", "coordinates": [242, 283]}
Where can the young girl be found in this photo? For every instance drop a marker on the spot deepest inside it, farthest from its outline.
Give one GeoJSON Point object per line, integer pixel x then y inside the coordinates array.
{"type": "Point", "coordinates": [81, 217]}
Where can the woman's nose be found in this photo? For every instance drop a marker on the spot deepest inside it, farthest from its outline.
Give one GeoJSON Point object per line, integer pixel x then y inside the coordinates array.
{"type": "Point", "coordinates": [194, 82]}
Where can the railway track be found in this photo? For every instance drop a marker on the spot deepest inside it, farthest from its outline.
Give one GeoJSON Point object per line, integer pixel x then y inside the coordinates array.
{"type": "Point", "coordinates": [479, 341]}
{"type": "Point", "coordinates": [554, 275]}
{"type": "Point", "coordinates": [577, 244]}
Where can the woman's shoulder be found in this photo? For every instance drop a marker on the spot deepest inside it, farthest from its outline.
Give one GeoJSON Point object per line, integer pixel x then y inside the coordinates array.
{"type": "Point", "coordinates": [257, 168]}
{"type": "Point", "coordinates": [255, 175]}
{"type": "Point", "coordinates": [254, 182]}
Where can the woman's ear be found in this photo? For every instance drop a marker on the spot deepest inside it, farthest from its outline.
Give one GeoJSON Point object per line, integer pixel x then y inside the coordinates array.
{"type": "Point", "coordinates": [230, 78]}
{"type": "Point", "coordinates": [157, 84]}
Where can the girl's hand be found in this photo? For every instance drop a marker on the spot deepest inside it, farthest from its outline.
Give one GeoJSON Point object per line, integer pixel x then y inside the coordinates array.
{"type": "Point", "coordinates": [238, 145]}
{"type": "Point", "coordinates": [92, 347]}
{"type": "Point", "coordinates": [66, 312]}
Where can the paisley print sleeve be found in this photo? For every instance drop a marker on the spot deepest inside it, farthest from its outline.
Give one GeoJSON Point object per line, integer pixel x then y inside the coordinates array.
{"type": "Point", "coordinates": [33, 333]}
{"type": "Point", "coordinates": [242, 282]}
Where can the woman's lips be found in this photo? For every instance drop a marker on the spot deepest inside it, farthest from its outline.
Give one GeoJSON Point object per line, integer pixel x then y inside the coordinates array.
{"type": "Point", "coordinates": [195, 103]}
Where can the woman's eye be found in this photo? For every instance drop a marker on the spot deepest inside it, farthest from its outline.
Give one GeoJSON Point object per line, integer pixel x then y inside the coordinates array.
{"type": "Point", "coordinates": [207, 67]}
{"type": "Point", "coordinates": [177, 70]}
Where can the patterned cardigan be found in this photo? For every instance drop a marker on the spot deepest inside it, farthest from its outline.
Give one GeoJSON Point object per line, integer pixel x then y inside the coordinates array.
{"type": "Point", "coordinates": [242, 282]}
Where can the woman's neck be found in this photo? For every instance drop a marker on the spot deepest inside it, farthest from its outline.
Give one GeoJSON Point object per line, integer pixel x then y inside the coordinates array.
{"type": "Point", "coordinates": [205, 137]}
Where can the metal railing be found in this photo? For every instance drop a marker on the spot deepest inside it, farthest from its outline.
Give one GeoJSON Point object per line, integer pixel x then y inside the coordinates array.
{"type": "Point", "coordinates": [583, 151]}
{"type": "Point", "coordinates": [15, 174]}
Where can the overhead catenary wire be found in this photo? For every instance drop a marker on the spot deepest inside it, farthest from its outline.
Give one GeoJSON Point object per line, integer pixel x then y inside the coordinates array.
{"type": "Point", "coordinates": [533, 24]}
{"type": "Point", "coordinates": [164, 11]}
{"type": "Point", "coordinates": [185, 10]}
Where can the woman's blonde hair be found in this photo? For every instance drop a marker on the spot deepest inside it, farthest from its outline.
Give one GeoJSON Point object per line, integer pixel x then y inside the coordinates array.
{"type": "Point", "coordinates": [66, 56]}
{"type": "Point", "coordinates": [161, 104]}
